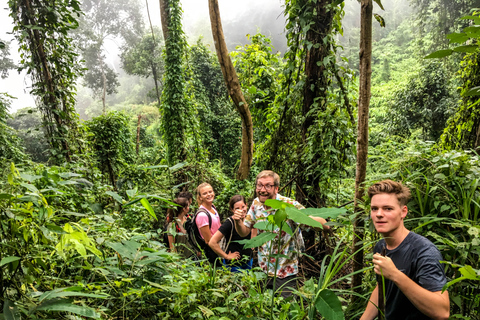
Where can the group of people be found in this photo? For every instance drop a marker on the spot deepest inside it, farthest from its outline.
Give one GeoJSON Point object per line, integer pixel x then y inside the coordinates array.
{"type": "Point", "coordinates": [413, 277]}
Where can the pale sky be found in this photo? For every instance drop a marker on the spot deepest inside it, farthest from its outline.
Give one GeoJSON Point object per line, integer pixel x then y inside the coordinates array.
{"type": "Point", "coordinates": [195, 15]}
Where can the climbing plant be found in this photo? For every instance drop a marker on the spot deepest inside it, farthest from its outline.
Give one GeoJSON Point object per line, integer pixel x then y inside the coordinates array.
{"type": "Point", "coordinates": [48, 55]}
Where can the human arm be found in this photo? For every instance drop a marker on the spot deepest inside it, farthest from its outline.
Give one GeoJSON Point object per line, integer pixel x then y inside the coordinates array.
{"type": "Point", "coordinates": [239, 218]}
{"type": "Point", "coordinates": [435, 305]}
{"type": "Point", "coordinates": [205, 232]}
{"type": "Point", "coordinates": [213, 243]}
{"type": "Point", "coordinates": [371, 311]}
{"type": "Point", "coordinates": [322, 221]}
{"type": "Point", "coordinates": [171, 243]}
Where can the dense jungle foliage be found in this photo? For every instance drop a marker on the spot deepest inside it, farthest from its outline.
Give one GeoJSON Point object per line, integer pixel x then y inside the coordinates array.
{"type": "Point", "coordinates": [88, 174]}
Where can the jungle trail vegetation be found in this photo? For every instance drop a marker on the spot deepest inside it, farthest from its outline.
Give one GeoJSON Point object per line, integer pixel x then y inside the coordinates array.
{"type": "Point", "coordinates": [87, 175]}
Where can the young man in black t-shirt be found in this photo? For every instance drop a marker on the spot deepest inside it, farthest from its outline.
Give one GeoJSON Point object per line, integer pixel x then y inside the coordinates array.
{"type": "Point", "coordinates": [413, 274]}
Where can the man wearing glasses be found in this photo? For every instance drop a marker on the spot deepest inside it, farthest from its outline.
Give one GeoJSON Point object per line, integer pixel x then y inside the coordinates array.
{"type": "Point", "coordinates": [267, 184]}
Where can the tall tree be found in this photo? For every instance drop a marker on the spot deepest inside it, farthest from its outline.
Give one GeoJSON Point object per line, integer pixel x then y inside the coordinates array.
{"type": "Point", "coordinates": [106, 20]}
{"type": "Point", "coordinates": [362, 137]}
{"type": "Point", "coordinates": [234, 90]}
{"type": "Point", "coordinates": [174, 106]}
{"type": "Point", "coordinates": [42, 28]}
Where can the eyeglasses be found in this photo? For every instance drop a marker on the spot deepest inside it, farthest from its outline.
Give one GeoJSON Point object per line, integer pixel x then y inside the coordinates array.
{"type": "Point", "coordinates": [267, 187]}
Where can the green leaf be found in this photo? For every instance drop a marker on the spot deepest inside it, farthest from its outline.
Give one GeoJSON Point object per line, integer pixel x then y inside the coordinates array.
{"type": "Point", "coordinates": [149, 208]}
{"type": "Point", "coordinates": [131, 193]}
{"type": "Point", "coordinates": [64, 292]}
{"type": "Point", "coordinates": [257, 241]}
{"type": "Point", "coordinates": [300, 217]}
{"type": "Point", "coordinates": [63, 305]}
{"type": "Point", "coordinates": [329, 306]}
{"type": "Point", "coordinates": [29, 178]}
{"type": "Point", "coordinates": [30, 187]}
{"type": "Point", "coordinates": [469, 273]}
{"type": "Point", "coordinates": [8, 260]}
{"type": "Point", "coordinates": [324, 212]}
{"type": "Point", "coordinates": [6, 196]}
{"type": "Point", "coordinates": [178, 166]}
{"type": "Point", "coordinates": [379, 2]}
{"type": "Point", "coordinates": [155, 167]}
{"type": "Point", "coordinates": [380, 20]}
{"type": "Point", "coordinates": [472, 92]}
{"type": "Point", "coordinates": [468, 48]}
{"type": "Point", "coordinates": [439, 54]}
{"type": "Point", "coordinates": [277, 204]}
{"type": "Point", "coordinates": [457, 37]}
{"type": "Point", "coordinates": [10, 311]}
{"type": "Point", "coordinates": [280, 217]}
{"type": "Point", "coordinates": [115, 196]}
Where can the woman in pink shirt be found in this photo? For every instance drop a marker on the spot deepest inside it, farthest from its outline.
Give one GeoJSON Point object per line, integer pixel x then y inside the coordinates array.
{"type": "Point", "coordinates": [207, 229]}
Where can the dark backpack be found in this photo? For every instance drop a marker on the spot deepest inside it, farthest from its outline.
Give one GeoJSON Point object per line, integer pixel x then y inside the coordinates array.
{"type": "Point", "coordinates": [193, 234]}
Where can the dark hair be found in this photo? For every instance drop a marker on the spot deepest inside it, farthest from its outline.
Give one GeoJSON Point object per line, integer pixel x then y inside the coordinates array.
{"type": "Point", "coordinates": [236, 198]}
{"type": "Point", "coordinates": [174, 211]}
{"type": "Point", "coordinates": [391, 187]}
{"type": "Point", "coordinates": [185, 194]}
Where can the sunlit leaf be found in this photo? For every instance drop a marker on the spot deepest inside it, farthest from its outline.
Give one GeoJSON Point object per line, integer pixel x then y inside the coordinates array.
{"type": "Point", "coordinates": [64, 305]}
{"type": "Point", "coordinates": [300, 217]}
{"type": "Point", "coordinates": [472, 92]}
{"type": "Point", "coordinates": [380, 20]}
{"type": "Point", "coordinates": [149, 208]}
{"type": "Point", "coordinates": [8, 260]}
{"type": "Point", "coordinates": [466, 49]}
{"type": "Point", "coordinates": [324, 212]}
{"type": "Point", "coordinates": [258, 241]}
{"type": "Point", "coordinates": [277, 204]}
{"type": "Point", "coordinates": [64, 292]}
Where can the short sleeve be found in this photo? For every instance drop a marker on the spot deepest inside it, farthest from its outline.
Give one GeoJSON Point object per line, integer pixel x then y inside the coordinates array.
{"type": "Point", "coordinates": [430, 272]}
{"type": "Point", "coordinates": [226, 228]}
{"type": "Point", "coordinates": [201, 220]}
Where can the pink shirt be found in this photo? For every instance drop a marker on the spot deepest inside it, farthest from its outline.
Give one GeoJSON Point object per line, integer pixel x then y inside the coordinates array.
{"type": "Point", "coordinates": [202, 220]}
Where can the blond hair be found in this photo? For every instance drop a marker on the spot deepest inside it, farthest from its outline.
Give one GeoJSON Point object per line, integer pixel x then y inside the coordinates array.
{"type": "Point", "coordinates": [269, 173]}
{"type": "Point", "coordinates": [200, 187]}
{"type": "Point", "coordinates": [391, 187]}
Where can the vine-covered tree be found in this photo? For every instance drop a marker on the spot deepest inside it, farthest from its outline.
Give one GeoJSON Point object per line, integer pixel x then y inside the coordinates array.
{"type": "Point", "coordinates": [42, 28]}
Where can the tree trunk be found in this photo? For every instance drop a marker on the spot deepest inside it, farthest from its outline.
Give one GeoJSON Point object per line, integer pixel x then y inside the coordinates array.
{"type": "Point", "coordinates": [164, 17]}
{"type": "Point", "coordinates": [362, 138]}
{"type": "Point", "coordinates": [234, 90]}
{"type": "Point", "coordinates": [138, 133]}
{"type": "Point", "coordinates": [315, 91]}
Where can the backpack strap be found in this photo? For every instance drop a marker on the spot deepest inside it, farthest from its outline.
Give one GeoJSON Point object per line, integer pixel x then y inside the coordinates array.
{"type": "Point", "coordinates": [209, 215]}
{"type": "Point", "coordinates": [231, 233]}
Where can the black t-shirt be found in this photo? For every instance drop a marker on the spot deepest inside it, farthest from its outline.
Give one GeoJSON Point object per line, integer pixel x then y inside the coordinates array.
{"type": "Point", "coordinates": [226, 229]}
{"type": "Point", "coordinates": [419, 259]}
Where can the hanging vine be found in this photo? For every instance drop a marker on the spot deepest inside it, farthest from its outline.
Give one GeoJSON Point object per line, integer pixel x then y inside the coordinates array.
{"type": "Point", "coordinates": [48, 55]}
{"type": "Point", "coordinates": [316, 99]}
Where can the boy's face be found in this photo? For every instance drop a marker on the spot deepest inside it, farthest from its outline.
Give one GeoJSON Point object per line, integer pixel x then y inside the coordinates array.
{"type": "Point", "coordinates": [387, 214]}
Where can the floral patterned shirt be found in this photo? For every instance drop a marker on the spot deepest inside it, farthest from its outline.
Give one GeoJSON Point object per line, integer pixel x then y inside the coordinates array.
{"type": "Point", "coordinates": [291, 248]}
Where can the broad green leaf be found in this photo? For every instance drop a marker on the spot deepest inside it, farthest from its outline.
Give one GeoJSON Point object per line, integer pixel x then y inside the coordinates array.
{"type": "Point", "coordinates": [277, 204]}
{"type": "Point", "coordinates": [329, 306]}
{"type": "Point", "coordinates": [469, 272]}
{"type": "Point", "coordinates": [468, 48]}
{"type": "Point", "coordinates": [155, 167]}
{"type": "Point", "coordinates": [457, 37]}
{"type": "Point", "coordinates": [8, 260]}
{"type": "Point", "coordinates": [115, 196]}
{"type": "Point", "coordinates": [439, 54]}
{"type": "Point", "coordinates": [10, 311]}
{"type": "Point", "coordinates": [324, 212]}
{"type": "Point", "coordinates": [300, 217]}
{"type": "Point", "coordinates": [64, 292]}
{"type": "Point", "coordinates": [280, 217]}
{"type": "Point", "coordinates": [29, 178]}
{"type": "Point", "coordinates": [149, 208]}
{"type": "Point", "coordinates": [259, 240]}
{"type": "Point", "coordinates": [380, 20]}
{"type": "Point", "coordinates": [206, 312]}
{"type": "Point", "coordinates": [63, 305]}
{"type": "Point", "coordinates": [131, 193]}
{"type": "Point", "coordinates": [30, 187]}
{"type": "Point", "coordinates": [68, 175]}
{"type": "Point", "coordinates": [261, 225]}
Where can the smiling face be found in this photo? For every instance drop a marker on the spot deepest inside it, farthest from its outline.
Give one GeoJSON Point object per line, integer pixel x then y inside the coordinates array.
{"type": "Point", "coordinates": [387, 214]}
{"type": "Point", "coordinates": [240, 206]}
{"type": "Point", "coordinates": [207, 195]}
{"type": "Point", "coordinates": [266, 189]}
